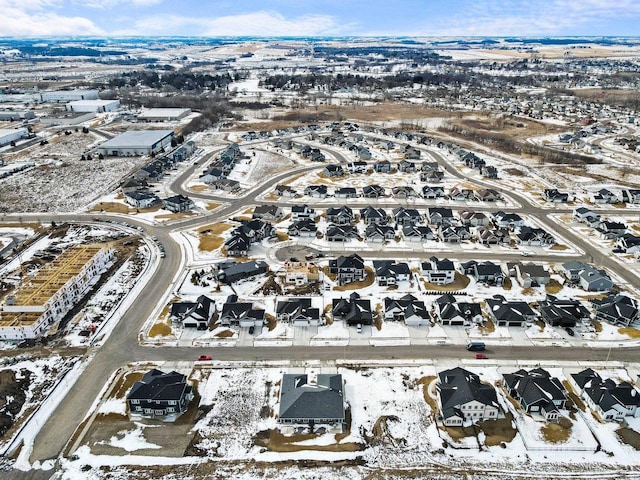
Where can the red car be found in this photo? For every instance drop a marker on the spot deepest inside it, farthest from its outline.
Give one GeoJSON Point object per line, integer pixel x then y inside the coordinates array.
{"type": "Point", "coordinates": [481, 356]}
{"type": "Point", "coordinates": [204, 357]}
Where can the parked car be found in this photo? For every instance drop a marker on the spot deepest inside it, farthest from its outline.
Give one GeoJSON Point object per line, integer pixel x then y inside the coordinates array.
{"type": "Point", "coordinates": [204, 357]}
{"type": "Point", "coordinates": [526, 253]}
{"type": "Point", "coordinates": [481, 356]}
{"type": "Point", "coordinates": [252, 329]}
{"type": "Point", "coordinates": [570, 331]}
{"type": "Point", "coordinates": [359, 328]}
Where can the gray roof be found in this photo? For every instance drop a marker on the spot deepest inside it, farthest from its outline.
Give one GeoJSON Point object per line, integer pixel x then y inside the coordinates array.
{"type": "Point", "coordinates": [137, 139]}
{"type": "Point", "coordinates": [300, 399]}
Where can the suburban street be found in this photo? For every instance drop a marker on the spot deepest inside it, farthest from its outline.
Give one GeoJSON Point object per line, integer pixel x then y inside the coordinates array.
{"type": "Point", "coordinates": [122, 346]}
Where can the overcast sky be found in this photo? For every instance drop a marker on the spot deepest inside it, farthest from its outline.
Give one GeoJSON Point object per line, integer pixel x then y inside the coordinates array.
{"type": "Point", "coordinates": [320, 17]}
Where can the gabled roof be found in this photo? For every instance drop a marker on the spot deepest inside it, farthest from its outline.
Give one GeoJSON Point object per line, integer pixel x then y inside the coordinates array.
{"type": "Point", "coordinates": [157, 385]}
{"type": "Point", "coordinates": [535, 387]}
{"type": "Point", "coordinates": [301, 398]}
{"type": "Point", "coordinates": [459, 387]}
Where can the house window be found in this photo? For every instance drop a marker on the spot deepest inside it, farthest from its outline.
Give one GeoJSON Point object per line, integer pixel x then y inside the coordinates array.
{"type": "Point", "coordinates": [172, 402]}
{"type": "Point", "coordinates": [159, 412]}
{"type": "Point", "coordinates": [135, 402]}
{"type": "Point", "coordinates": [170, 409]}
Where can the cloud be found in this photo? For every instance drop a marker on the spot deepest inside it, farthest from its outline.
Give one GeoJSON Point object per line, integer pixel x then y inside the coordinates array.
{"type": "Point", "coordinates": [246, 24]}
{"type": "Point", "coordinates": [109, 4]}
{"type": "Point", "coordinates": [543, 17]}
{"type": "Point", "coordinates": [33, 20]}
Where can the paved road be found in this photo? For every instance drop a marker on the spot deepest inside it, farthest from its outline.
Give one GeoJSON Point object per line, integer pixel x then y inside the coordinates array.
{"type": "Point", "coordinates": [122, 346]}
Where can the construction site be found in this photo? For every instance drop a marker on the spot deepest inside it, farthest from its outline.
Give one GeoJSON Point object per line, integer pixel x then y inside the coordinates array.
{"type": "Point", "coordinates": [41, 301]}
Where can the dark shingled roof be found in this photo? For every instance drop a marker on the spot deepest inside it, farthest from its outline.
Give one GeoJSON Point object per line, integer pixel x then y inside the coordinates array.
{"type": "Point", "coordinates": [323, 399]}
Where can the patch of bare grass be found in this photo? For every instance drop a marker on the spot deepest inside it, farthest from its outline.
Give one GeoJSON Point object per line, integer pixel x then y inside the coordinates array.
{"type": "Point", "coordinates": [629, 436]}
{"type": "Point", "coordinates": [425, 382]}
{"type": "Point", "coordinates": [558, 247]}
{"type": "Point", "coordinates": [160, 329]}
{"type": "Point", "coordinates": [557, 432]}
{"type": "Point", "coordinates": [630, 332]}
{"type": "Point", "coordinates": [460, 282]}
{"type": "Point", "coordinates": [111, 207]}
{"type": "Point", "coordinates": [553, 286]}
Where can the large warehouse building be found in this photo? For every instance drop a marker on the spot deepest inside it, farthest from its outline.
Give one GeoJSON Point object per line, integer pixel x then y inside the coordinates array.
{"type": "Point", "coordinates": [163, 114]}
{"type": "Point", "coordinates": [53, 292]}
{"type": "Point", "coordinates": [15, 115]}
{"type": "Point", "coordinates": [69, 95]}
{"type": "Point", "coordinates": [97, 106]}
{"type": "Point", "coordinates": [136, 142]}
{"type": "Point", "coordinates": [8, 135]}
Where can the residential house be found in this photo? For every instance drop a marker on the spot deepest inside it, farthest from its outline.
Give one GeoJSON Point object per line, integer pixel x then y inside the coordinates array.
{"type": "Point", "coordinates": [585, 215]}
{"type": "Point", "coordinates": [440, 216]}
{"type": "Point", "coordinates": [617, 309]}
{"type": "Point", "coordinates": [489, 171]}
{"type": "Point", "coordinates": [454, 234]}
{"type": "Point", "coordinates": [587, 276]}
{"type": "Point", "coordinates": [316, 191]}
{"type": "Point", "coordinates": [240, 314]}
{"type": "Point", "coordinates": [460, 193]}
{"type": "Point", "coordinates": [285, 191]}
{"type": "Point", "coordinates": [348, 269]}
{"type": "Point", "coordinates": [450, 311]}
{"type": "Point", "coordinates": [141, 199]}
{"type": "Point", "coordinates": [432, 192]}
{"type": "Point", "coordinates": [340, 216]}
{"type": "Point", "coordinates": [612, 400]}
{"type": "Point", "coordinates": [554, 196]}
{"type": "Point", "coordinates": [333, 171]}
{"type": "Point", "coordinates": [473, 219]}
{"type": "Point", "coordinates": [379, 233]}
{"type": "Point", "coordinates": [388, 272]}
{"type": "Point", "coordinates": [160, 395]}
{"type": "Point", "coordinates": [507, 220]}
{"type": "Point", "coordinates": [237, 245]}
{"type": "Point", "coordinates": [404, 193]}
{"type": "Point", "coordinates": [406, 309]}
{"type": "Point", "coordinates": [373, 191]}
{"type": "Point", "coordinates": [302, 212]}
{"type": "Point", "coordinates": [406, 216]}
{"type": "Point", "coordinates": [312, 401]}
{"type": "Point", "coordinates": [298, 312]}
{"type": "Point", "coordinates": [201, 313]}
{"type": "Point", "coordinates": [509, 314]}
{"type": "Point", "coordinates": [302, 228]}
{"type": "Point", "coordinates": [631, 196]}
{"type": "Point", "coordinates": [268, 213]}
{"type": "Point", "coordinates": [346, 192]}
{"type": "Point", "coordinates": [537, 391]}
{"type": "Point", "coordinates": [232, 272]}
{"type": "Point", "coordinates": [358, 167]}
{"type": "Point", "coordinates": [487, 195]}
{"type": "Point", "coordinates": [611, 230]}
{"type": "Point", "coordinates": [562, 312]}
{"type": "Point", "coordinates": [178, 203]}
{"type": "Point", "coordinates": [405, 166]}
{"type": "Point", "coordinates": [383, 166]}
{"type": "Point", "coordinates": [531, 275]}
{"type": "Point", "coordinates": [488, 272]}
{"type": "Point", "coordinates": [604, 196]}
{"type": "Point", "coordinates": [531, 236]}
{"type": "Point", "coordinates": [628, 242]}
{"type": "Point", "coordinates": [432, 176]}
{"type": "Point", "coordinates": [372, 215]}
{"type": "Point", "coordinates": [352, 311]}
{"type": "Point", "coordinates": [340, 233]}
{"type": "Point", "coordinates": [464, 398]}
{"type": "Point", "coordinates": [489, 236]}
{"type": "Point", "coordinates": [226, 185]}
{"type": "Point", "coordinates": [417, 233]}
{"type": "Point", "coordinates": [438, 272]}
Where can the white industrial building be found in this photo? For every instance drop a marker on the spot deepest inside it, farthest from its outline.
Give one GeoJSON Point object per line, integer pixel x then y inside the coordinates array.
{"type": "Point", "coordinates": [8, 135]}
{"type": "Point", "coordinates": [163, 114]}
{"type": "Point", "coordinates": [97, 106]}
{"type": "Point", "coordinates": [67, 118]}
{"type": "Point", "coordinates": [15, 115]}
{"type": "Point", "coordinates": [69, 95]}
{"type": "Point", "coordinates": [136, 142]}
